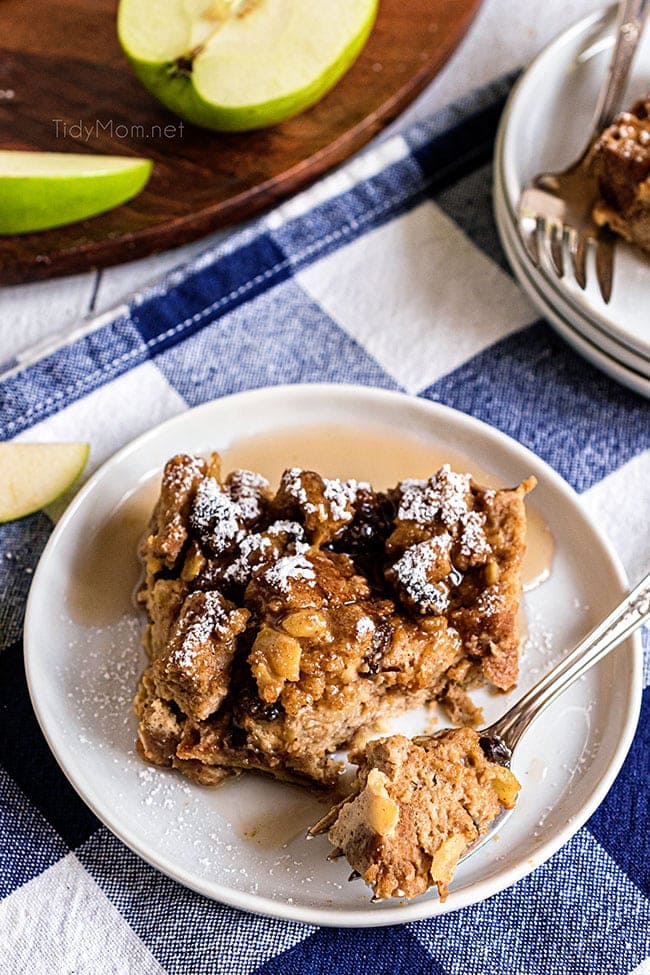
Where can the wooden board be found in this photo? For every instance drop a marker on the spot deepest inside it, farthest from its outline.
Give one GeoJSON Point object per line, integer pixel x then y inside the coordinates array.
{"type": "Point", "coordinates": [61, 67]}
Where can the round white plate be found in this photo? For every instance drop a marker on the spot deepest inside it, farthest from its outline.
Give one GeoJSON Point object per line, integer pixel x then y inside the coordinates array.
{"type": "Point", "coordinates": [605, 353]}
{"type": "Point", "coordinates": [544, 127]}
{"type": "Point", "coordinates": [243, 843]}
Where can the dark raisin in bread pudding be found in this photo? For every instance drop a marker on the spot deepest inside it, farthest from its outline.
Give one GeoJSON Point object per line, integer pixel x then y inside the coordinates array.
{"type": "Point", "coordinates": [620, 160]}
{"type": "Point", "coordinates": [281, 624]}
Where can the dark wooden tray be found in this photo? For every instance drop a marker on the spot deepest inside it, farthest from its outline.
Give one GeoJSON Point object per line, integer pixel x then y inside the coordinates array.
{"type": "Point", "coordinates": [60, 65]}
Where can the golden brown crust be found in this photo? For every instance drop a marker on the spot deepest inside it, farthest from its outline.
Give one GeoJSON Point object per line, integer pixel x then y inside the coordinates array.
{"type": "Point", "coordinates": [194, 668]}
{"type": "Point", "coordinates": [168, 529]}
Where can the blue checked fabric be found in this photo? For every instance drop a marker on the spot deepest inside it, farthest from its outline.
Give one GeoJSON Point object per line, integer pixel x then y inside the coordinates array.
{"type": "Point", "coordinates": [387, 273]}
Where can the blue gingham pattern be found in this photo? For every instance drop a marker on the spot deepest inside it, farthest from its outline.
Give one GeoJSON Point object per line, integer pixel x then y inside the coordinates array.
{"type": "Point", "coordinates": [387, 273]}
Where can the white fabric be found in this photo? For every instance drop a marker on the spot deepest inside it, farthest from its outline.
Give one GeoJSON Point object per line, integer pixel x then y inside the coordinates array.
{"type": "Point", "coordinates": [415, 284]}
{"type": "Point", "coordinates": [84, 935]}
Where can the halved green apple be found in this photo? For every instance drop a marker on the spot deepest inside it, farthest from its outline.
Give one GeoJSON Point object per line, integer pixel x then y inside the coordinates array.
{"type": "Point", "coordinates": [41, 190]}
{"type": "Point", "coordinates": [33, 475]}
{"type": "Point", "coordinates": [233, 65]}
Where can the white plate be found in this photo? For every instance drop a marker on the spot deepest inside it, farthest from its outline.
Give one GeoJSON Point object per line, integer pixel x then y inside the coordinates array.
{"type": "Point", "coordinates": [606, 354]}
{"type": "Point", "coordinates": [544, 126]}
{"type": "Point", "coordinates": [81, 679]}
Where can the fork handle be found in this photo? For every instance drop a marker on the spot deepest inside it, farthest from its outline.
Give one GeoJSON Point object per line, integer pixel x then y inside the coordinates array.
{"type": "Point", "coordinates": [630, 613]}
{"type": "Point", "coordinates": [632, 15]}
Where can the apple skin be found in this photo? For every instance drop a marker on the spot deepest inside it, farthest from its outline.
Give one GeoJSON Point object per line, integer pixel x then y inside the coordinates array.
{"type": "Point", "coordinates": [177, 93]}
{"type": "Point", "coordinates": [26, 207]}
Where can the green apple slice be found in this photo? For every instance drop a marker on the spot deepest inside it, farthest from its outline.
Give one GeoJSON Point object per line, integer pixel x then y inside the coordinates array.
{"type": "Point", "coordinates": [41, 190]}
{"type": "Point", "coordinates": [233, 65]}
{"type": "Point", "coordinates": [33, 475]}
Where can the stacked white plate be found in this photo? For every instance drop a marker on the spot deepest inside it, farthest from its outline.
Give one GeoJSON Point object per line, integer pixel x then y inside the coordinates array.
{"type": "Point", "coordinates": [543, 129]}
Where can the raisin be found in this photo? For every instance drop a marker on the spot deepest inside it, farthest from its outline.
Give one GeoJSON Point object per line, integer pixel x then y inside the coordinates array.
{"type": "Point", "coordinates": [381, 639]}
{"type": "Point", "coordinates": [238, 737]}
{"type": "Point", "coordinates": [365, 536]}
{"type": "Point", "coordinates": [495, 750]}
{"type": "Point", "coordinates": [250, 705]}
{"type": "Point", "coordinates": [265, 712]}
{"type": "Point", "coordinates": [370, 527]}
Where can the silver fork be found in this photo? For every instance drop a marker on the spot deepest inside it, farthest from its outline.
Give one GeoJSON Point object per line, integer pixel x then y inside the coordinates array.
{"type": "Point", "coordinates": [499, 739]}
{"type": "Point", "coordinates": [555, 210]}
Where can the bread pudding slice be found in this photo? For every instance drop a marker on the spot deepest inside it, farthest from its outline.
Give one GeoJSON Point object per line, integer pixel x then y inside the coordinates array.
{"type": "Point", "coordinates": [416, 806]}
{"type": "Point", "coordinates": [620, 160]}
{"type": "Point", "coordinates": [281, 624]}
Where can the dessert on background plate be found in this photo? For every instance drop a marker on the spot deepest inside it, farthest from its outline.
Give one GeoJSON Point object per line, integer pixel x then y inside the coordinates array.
{"type": "Point", "coordinates": [283, 623]}
{"type": "Point", "coordinates": [556, 96]}
{"type": "Point", "coordinates": [620, 160]}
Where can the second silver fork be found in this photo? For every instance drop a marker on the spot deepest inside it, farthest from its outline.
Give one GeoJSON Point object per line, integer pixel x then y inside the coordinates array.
{"type": "Point", "coordinates": [554, 212]}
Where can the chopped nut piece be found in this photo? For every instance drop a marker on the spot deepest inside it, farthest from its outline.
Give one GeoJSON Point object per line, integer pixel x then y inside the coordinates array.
{"type": "Point", "coordinates": [194, 563]}
{"type": "Point", "coordinates": [491, 572]}
{"type": "Point", "coordinates": [383, 812]}
{"type": "Point", "coordinates": [274, 659]}
{"type": "Point", "coordinates": [444, 860]}
{"type": "Point", "coordinates": [306, 623]}
{"type": "Point", "coordinates": [505, 785]}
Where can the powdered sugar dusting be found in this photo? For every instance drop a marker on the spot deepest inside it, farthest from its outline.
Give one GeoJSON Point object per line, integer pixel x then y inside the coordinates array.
{"type": "Point", "coordinates": [247, 489]}
{"type": "Point", "coordinates": [473, 543]}
{"type": "Point", "coordinates": [290, 528]}
{"type": "Point", "coordinates": [252, 549]}
{"type": "Point", "coordinates": [291, 484]}
{"type": "Point", "coordinates": [204, 617]}
{"type": "Point", "coordinates": [364, 626]}
{"type": "Point", "coordinates": [260, 547]}
{"type": "Point", "coordinates": [413, 570]}
{"type": "Point", "coordinates": [444, 496]}
{"type": "Point", "coordinates": [181, 473]}
{"type": "Point", "coordinates": [341, 496]}
{"type": "Point", "coordinates": [288, 569]}
{"type": "Point", "coordinates": [489, 603]}
{"type": "Point", "coordinates": [214, 516]}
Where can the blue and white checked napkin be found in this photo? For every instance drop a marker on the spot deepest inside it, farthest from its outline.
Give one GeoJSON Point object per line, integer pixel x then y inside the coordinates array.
{"type": "Point", "coordinates": [387, 273]}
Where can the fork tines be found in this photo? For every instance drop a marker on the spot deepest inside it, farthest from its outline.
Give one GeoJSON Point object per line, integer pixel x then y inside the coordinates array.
{"type": "Point", "coordinates": [548, 241]}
